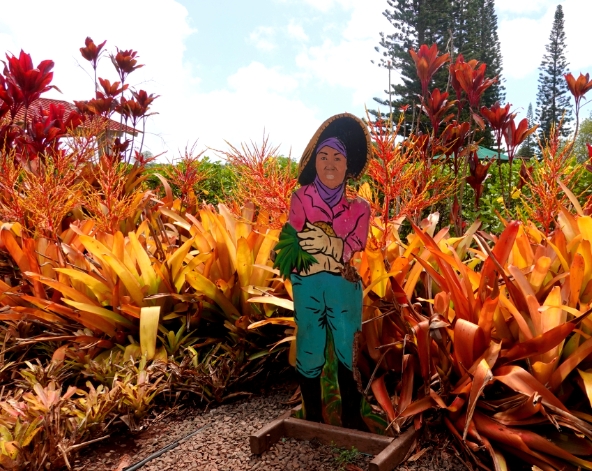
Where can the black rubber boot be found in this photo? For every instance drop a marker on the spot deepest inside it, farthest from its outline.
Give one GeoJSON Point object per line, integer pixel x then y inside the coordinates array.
{"type": "Point", "coordinates": [311, 397]}
{"type": "Point", "coordinates": [351, 400]}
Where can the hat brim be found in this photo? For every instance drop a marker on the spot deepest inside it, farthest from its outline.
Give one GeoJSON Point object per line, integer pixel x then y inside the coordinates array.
{"type": "Point", "coordinates": [355, 136]}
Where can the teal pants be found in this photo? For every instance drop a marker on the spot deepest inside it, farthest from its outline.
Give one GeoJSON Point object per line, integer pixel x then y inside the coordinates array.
{"type": "Point", "coordinates": [325, 301]}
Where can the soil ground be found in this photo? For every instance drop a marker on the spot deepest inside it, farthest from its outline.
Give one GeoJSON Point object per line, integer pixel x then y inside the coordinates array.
{"type": "Point", "coordinates": [223, 445]}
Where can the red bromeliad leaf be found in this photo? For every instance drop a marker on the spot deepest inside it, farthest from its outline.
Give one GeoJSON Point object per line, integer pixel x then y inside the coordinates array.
{"type": "Point", "coordinates": [498, 118]}
{"type": "Point", "coordinates": [454, 137]}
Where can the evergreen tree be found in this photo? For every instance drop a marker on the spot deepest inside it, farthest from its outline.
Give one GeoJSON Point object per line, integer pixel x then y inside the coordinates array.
{"type": "Point", "coordinates": [528, 147]}
{"type": "Point", "coordinates": [487, 49]}
{"type": "Point", "coordinates": [467, 27]}
{"type": "Point", "coordinates": [415, 22]}
{"type": "Point", "coordinates": [552, 97]}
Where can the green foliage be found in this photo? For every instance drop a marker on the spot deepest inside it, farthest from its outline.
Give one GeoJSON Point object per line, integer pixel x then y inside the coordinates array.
{"type": "Point", "coordinates": [584, 137]}
{"type": "Point", "coordinates": [553, 102]}
{"type": "Point", "coordinates": [290, 255]}
{"type": "Point", "coordinates": [456, 26]}
{"type": "Point", "coordinates": [343, 456]}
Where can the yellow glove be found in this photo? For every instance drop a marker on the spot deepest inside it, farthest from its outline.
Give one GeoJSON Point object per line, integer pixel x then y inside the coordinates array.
{"type": "Point", "coordinates": [315, 241]}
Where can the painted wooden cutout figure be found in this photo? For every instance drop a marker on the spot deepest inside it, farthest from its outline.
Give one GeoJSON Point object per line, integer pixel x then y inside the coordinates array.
{"type": "Point", "coordinates": [327, 290]}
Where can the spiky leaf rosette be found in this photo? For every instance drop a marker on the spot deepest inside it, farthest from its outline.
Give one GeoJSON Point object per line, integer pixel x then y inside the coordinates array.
{"type": "Point", "coordinates": [290, 255]}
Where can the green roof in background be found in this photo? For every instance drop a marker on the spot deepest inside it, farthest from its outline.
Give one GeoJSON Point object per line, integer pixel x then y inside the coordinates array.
{"type": "Point", "coordinates": [485, 154]}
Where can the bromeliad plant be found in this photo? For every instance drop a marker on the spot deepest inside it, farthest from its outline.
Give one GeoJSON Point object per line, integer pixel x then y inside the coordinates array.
{"type": "Point", "coordinates": [497, 349]}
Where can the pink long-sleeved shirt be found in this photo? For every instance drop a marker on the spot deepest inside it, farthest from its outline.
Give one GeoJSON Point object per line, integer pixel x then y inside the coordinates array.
{"type": "Point", "coordinates": [349, 219]}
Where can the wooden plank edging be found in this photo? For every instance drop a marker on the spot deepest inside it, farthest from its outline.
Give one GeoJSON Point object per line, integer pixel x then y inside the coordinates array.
{"type": "Point", "coordinates": [389, 452]}
{"type": "Point", "coordinates": [389, 458]}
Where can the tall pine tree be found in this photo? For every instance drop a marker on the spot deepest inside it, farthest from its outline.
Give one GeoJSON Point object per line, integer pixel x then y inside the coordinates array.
{"type": "Point", "coordinates": [553, 101]}
{"type": "Point", "coordinates": [415, 22]}
{"type": "Point", "coordinates": [527, 150]}
{"type": "Point", "coordinates": [467, 27]}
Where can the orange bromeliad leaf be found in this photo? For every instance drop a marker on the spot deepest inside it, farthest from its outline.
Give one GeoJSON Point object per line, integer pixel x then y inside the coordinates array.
{"type": "Point", "coordinates": [568, 365]}
{"type": "Point", "coordinates": [483, 377]}
{"type": "Point", "coordinates": [539, 344]}
{"type": "Point", "coordinates": [501, 252]}
{"type": "Point", "coordinates": [381, 395]}
{"type": "Point", "coordinates": [523, 382]}
{"type": "Point", "coordinates": [525, 441]}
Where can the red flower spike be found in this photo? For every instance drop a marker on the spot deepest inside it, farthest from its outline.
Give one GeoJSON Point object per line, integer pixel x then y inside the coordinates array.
{"type": "Point", "coordinates": [472, 81]}
{"type": "Point", "coordinates": [24, 83]}
{"type": "Point", "coordinates": [498, 117]}
{"type": "Point", "coordinates": [111, 89]}
{"type": "Point", "coordinates": [478, 174]}
{"type": "Point", "coordinates": [91, 52]}
{"type": "Point", "coordinates": [125, 63]}
{"type": "Point", "coordinates": [427, 64]}
{"type": "Point", "coordinates": [514, 136]}
{"type": "Point", "coordinates": [454, 137]}
{"type": "Point", "coordinates": [579, 87]}
{"type": "Point", "coordinates": [46, 129]}
{"type": "Point", "coordinates": [144, 99]}
{"type": "Point", "coordinates": [454, 82]}
{"type": "Point", "coordinates": [435, 107]}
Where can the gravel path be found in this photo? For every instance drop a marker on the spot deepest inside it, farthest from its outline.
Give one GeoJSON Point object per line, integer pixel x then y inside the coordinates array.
{"type": "Point", "coordinates": [224, 444]}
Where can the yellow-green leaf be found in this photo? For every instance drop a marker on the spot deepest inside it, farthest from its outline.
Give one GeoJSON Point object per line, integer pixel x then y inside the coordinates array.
{"type": "Point", "coordinates": [149, 320]}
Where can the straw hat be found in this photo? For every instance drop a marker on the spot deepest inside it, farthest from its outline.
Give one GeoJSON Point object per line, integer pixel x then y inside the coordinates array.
{"type": "Point", "coordinates": [353, 133]}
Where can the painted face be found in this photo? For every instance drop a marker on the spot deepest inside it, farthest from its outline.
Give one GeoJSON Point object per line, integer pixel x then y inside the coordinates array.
{"type": "Point", "coordinates": [331, 166]}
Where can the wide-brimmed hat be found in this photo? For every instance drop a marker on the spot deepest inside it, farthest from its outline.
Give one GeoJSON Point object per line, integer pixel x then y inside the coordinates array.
{"type": "Point", "coordinates": [355, 136]}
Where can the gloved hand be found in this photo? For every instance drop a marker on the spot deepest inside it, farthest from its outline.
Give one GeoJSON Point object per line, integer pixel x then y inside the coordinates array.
{"type": "Point", "coordinates": [314, 240]}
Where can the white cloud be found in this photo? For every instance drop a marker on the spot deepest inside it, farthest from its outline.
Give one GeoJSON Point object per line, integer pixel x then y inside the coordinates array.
{"type": "Point", "coordinates": [257, 78]}
{"type": "Point", "coordinates": [326, 5]}
{"type": "Point", "coordinates": [523, 38]}
{"type": "Point", "coordinates": [263, 37]}
{"type": "Point", "coordinates": [524, 6]}
{"type": "Point", "coordinates": [345, 61]}
{"type": "Point", "coordinates": [295, 31]}
{"type": "Point", "coordinates": [257, 100]}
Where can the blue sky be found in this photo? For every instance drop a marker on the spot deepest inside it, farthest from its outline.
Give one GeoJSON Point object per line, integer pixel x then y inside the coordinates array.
{"type": "Point", "coordinates": [231, 70]}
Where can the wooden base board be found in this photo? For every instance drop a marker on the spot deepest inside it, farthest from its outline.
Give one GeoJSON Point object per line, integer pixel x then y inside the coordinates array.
{"type": "Point", "coordinates": [389, 452]}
